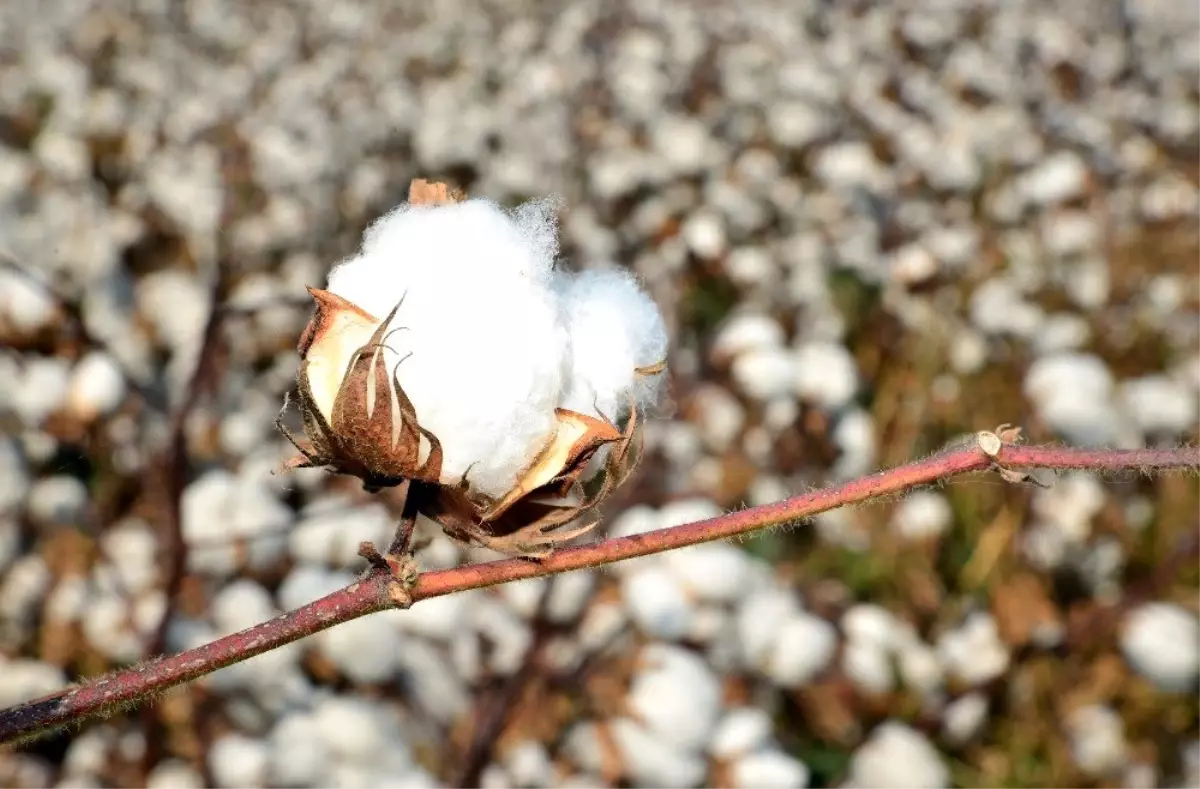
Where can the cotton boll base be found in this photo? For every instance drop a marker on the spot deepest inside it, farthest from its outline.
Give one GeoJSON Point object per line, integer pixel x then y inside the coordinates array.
{"type": "Point", "coordinates": [479, 332]}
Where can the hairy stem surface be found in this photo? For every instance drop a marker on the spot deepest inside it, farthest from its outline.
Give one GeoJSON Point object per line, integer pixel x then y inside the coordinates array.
{"type": "Point", "coordinates": [371, 593]}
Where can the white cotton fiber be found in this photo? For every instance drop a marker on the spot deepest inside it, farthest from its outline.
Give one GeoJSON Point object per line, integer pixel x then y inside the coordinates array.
{"type": "Point", "coordinates": [483, 344]}
{"type": "Point", "coordinates": [614, 327]}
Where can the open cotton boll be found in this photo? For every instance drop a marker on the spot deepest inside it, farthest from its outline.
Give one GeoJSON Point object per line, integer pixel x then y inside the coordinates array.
{"type": "Point", "coordinates": [614, 327]}
{"type": "Point", "coordinates": [463, 238]}
{"type": "Point", "coordinates": [479, 330]}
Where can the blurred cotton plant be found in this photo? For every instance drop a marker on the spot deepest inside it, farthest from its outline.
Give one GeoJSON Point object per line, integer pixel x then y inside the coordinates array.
{"type": "Point", "coordinates": [451, 352]}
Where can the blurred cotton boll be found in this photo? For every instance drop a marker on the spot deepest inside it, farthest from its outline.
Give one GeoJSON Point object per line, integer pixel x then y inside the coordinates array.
{"type": "Point", "coordinates": [1162, 642]}
{"type": "Point", "coordinates": [677, 697]}
{"type": "Point", "coordinates": [897, 755]}
{"type": "Point", "coordinates": [97, 386]}
{"type": "Point", "coordinates": [479, 331]}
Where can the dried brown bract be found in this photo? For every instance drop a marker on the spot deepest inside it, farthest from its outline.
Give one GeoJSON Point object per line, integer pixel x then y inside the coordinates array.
{"type": "Point", "coordinates": [360, 423]}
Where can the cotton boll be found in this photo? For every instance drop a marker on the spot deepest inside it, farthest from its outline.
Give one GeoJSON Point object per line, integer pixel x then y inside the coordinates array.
{"type": "Point", "coordinates": [855, 437]}
{"type": "Point", "coordinates": [299, 752]}
{"type": "Point", "coordinates": [868, 667]}
{"type": "Point", "coordinates": [10, 541]}
{"type": "Point", "coordinates": [919, 667]}
{"type": "Point", "coordinates": [711, 571]}
{"type": "Point", "coordinates": [744, 332]}
{"type": "Point", "coordinates": [438, 618]}
{"type": "Point", "coordinates": [677, 513]}
{"type": "Point", "coordinates": [357, 730]}
{"type": "Point", "coordinates": [306, 583]}
{"type": "Point", "coordinates": [437, 689]}
{"type": "Point", "coordinates": [924, 514]}
{"type": "Point", "coordinates": [871, 625]}
{"type": "Point", "coordinates": [803, 648]}
{"type": "Point", "coordinates": [657, 602]}
{"type": "Point", "coordinates": [1162, 642]}
{"type": "Point", "coordinates": [650, 761]}
{"type": "Point", "coordinates": [219, 509]}
{"type": "Point", "coordinates": [174, 774]}
{"type": "Point", "coordinates": [235, 760]}
{"type": "Point", "coordinates": [638, 519]}
{"type": "Point", "coordinates": [1160, 405]}
{"type": "Point", "coordinates": [826, 374]}
{"type": "Point", "coordinates": [769, 769]}
{"type": "Point", "coordinates": [964, 717]}
{"type": "Point", "coordinates": [759, 618]}
{"type": "Point", "coordinates": [361, 649]}
{"type": "Point", "coordinates": [22, 589]}
{"type": "Point", "coordinates": [508, 634]}
{"type": "Point", "coordinates": [1098, 743]}
{"type": "Point", "coordinates": [720, 416]}
{"type": "Point", "coordinates": [14, 475]}
{"type": "Point", "coordinates": [529, 764]}
{"type": "Point", "coordinates": [582, 745]}
{"type": "Point", "coordinates": [97, 386]}
{"type": "Point", "coordinates": [524, 597]}
{"type": "Point", "coordinates": [39, 390]}
{"type": "Point", "coordinates": [22, 679]}
{"type": "Point", "coordinates": [331, 533]}
{"type": "Point", "coordinates": [483, 343]}
{"type": "Point", "coordinates": [58, 500]}
{"type": "Point", "coordinates": [601, 625]}
{"type": "Point", "coordinates": [521, 242]}
{"type": "Point", "coordinates": [677, 697]}
{"type": "Point", "coordinates": [241, 604]}
{"type": "Point", "coordinates": [569, 594]}
{"type": "Point", "coordinates": [614, 328]}
{"type": "Point", "coordinates": [347, 775]}
{"type": "Point", "coordinates": [974, 652]}
{"type": "Point", "coordinates": [764, 373]}
{"type": "Point", "coordinates": [741, 731]}
{"type": "Point", "coordinates": [897, 755]}
{"type": "Point", "coordinates": [132, 548]}
{"type": "Point", "coordinates": [413, 778]}
{"type": "Point", "coordinates": [106, 627]}
{"type": "Point", "coordinates": [26, 306]}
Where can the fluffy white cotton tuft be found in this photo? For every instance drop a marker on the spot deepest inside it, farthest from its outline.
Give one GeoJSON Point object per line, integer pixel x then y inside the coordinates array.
{"type": "Point", "coordinates": [614, 327]}
{"type": "Point", "coordinates": [479, 332]}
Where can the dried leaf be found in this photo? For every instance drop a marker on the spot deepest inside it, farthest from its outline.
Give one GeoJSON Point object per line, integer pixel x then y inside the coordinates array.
{"type": "Point", "coordinates": [375, 421]}
{"type": "Point", "coordinates": [337, 330]}
{"type": "Point", "coordinates": [531, 523]}
{"type": "Point", "coordinates": [576, 438]}
{"type": "Point", "coordinates": [651, 369]}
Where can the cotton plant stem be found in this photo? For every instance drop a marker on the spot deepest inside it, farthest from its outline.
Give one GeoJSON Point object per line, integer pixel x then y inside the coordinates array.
{"type": "Point", "coordinates": [414, 497]}
{"type": "Point", "coordinates": [374, 592]}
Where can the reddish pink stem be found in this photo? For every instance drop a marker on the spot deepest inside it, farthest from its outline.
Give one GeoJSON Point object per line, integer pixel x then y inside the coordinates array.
{"type": "Point", "coordinates": [371, 594]}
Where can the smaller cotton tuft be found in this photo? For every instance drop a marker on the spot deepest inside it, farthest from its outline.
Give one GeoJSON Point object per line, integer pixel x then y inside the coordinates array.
{"type": "Point", "coordinates": [614, 328]}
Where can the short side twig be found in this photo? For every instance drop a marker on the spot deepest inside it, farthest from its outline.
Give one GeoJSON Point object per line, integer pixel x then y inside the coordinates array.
{"type": "Point", "coordinates": [375, 591]}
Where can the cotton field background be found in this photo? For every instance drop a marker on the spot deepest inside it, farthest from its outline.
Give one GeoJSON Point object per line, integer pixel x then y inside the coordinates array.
{"type": "Point", "coordinates": [872, 228]}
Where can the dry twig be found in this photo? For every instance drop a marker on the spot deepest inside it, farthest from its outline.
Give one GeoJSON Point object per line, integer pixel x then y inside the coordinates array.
{"type": "Point", "coordinates": [375, 591]}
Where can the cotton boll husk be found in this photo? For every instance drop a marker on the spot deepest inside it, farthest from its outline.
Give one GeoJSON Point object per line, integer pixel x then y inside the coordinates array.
{"type": "Point", "coordinates": [615, 327]}
{"type": "Point", "coordinates": [482, 344]}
